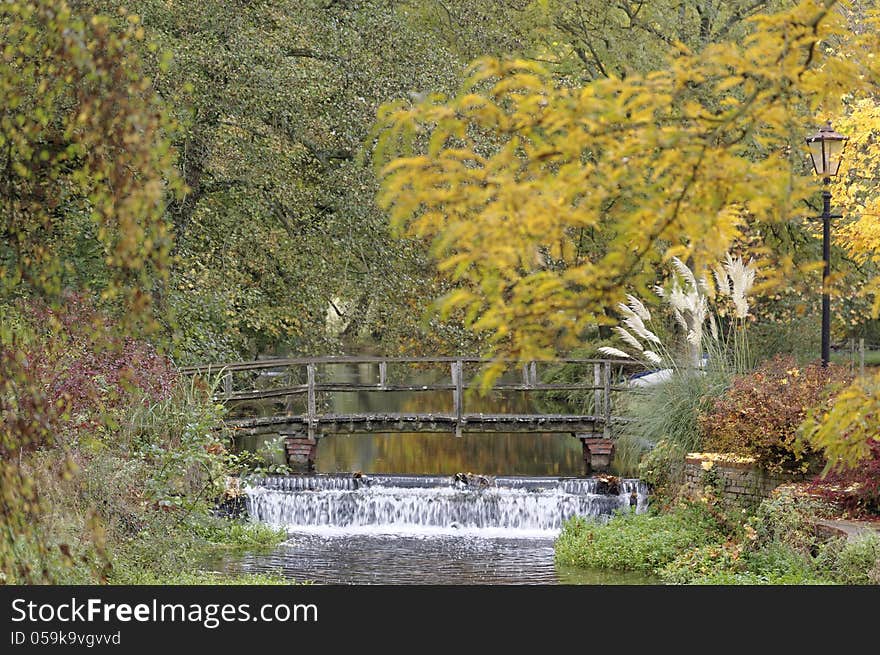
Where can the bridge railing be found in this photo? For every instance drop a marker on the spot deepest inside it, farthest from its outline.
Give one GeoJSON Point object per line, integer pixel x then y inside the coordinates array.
{"type": "Point", "coordinates": [276, 384]}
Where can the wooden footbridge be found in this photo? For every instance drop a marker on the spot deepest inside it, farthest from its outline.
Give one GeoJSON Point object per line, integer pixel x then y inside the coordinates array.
{"type": "Point", "coordinates": [303, 399]}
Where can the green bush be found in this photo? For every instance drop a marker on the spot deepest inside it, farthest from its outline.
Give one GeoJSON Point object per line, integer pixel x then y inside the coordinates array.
{"type": "Point", "coordinates": [663, 468]}
{"type": "Point", "coordinates": [700, 562]}
{"type": "Point", "coordinates": [776, 564]}
{"type": "Point", "coordinates": [635, 542]}
{"type": "Point", "coordinates": [789, 519]}
{"type": "Point", "coordinates": [796, 336]}
{"type": "Point", "coordinates": [752, 578]}
{"type": "Point", "coordinates": [852, 561]}
{"type": "Point", "coordinates": [839, 561]}
{"type": "Point", "coordinates": [700, 545]}
{"type": "Point", "coordinates": [778, 545]}
{"type": "Point", "coordinates": [131, 501]}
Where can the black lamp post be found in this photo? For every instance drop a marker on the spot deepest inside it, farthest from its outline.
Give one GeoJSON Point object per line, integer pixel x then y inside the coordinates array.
{"type": "Point", "coordinates": [826, 151]}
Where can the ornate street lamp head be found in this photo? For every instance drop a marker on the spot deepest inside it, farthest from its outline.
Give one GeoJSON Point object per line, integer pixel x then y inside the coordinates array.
{"type": "Point", "coordinates": [826, 150]}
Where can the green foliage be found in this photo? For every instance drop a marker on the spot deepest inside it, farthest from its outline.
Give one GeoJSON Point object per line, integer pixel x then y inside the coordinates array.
{"type": "Point", "coordinates": [761, 412]}
{"type": "Point", "coordinates": [776, 565]}
{"type": "Point", "coordinates": [788, 519]}
{"type": "Point", "coordinates": [593, 39]}
{"type": "Point", "coordinates": [749, 578]}
{"type": "Point", "coordinates": [636, 542]}
{"type": "Point", "coordinates": [797, 336]}
{"type": "Point", "coordinates": [854, 561]}
{"type": "Point", "coordinates": [779, 544]}
{"type": "Point", "coordinates": [86, 169]}
{"type": "Point", "coordinates": [662, 467]}
{"type": "Point", "coordinates": [701, 544]}
{"type": "Point", "coordinates": [274, 101]}
{"type": "Point", "coordinates": [182, 440]}
{"type": "Point", "coordinates": [85, 153]}
{"type": "Point", "coordinates": [113, 479]}
{"type": "Point", "coordinates": [141, 541]}
{"type": "Point", "coordinates": [171, 552]}
{"type": "Point", "coordinates": [701, 562]}
{"type": "Point", "coordinates": [229, 533]}
{"type": "Point", "coordinates": [207, 578]}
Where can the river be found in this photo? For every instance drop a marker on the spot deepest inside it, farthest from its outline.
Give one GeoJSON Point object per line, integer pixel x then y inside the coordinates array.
{"type": "Point", "coordinates": [388, 509]}
{"type": "Point", "coordinates": [409, 529]}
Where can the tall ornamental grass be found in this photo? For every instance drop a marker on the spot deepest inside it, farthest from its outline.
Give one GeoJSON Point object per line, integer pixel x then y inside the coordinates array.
{"type": "Point", "coordinates": [709, 347]}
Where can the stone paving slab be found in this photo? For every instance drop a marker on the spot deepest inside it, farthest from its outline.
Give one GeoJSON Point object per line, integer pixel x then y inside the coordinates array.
{"type": "Point", "coordinates": [850, 528]}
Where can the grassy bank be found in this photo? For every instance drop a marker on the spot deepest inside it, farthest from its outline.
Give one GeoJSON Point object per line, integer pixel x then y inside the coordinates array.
{"type": "Point", "coordinates": [701, 544]}
{"type": "Point", "coordinates": [634, 542]}
{"type": "Point", "coordinates": [110, 462]}
{"type": "Point", "coordinates": [99, 524]}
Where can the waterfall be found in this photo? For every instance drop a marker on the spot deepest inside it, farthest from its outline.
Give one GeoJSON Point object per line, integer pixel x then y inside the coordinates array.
{"type": "Point", "coordinates": [417, 504]}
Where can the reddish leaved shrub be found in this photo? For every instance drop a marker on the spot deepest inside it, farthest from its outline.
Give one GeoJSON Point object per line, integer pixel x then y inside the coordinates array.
{"type": "Point", "coordinates": [857, 490]}
{"type": "Point", "coordinates": [81, 366]}
{"type": "Point", "coordinates": [761, 412]}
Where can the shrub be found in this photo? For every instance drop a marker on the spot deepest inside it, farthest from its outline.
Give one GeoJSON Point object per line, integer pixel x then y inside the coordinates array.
{"type": "Point", "coordinates": [728, 564]}
{"type": "Point", "coordinates": [635, 542]}
{"type": "Point", "coordinates": [663, 468]}
{"type": "Point", "coordinates": [856, 490]}
{"type": "Point", "coordinates": [182, 440]}
{"type": "Point", "coordinates": [853, 561]}
{"type": "Point", "coordinates": [789, 519]}
{"type": "Point", "coordinates": [778, 544]}
{"type": "Point", "coordinates": [761, 412]}
{"type": "Point", "coordinates": [107, 460]}
{"type": "Point", "coordinates": [671, 410]}
{"type": "Point", "coordinates": [796, 577]}
{"type": "Point", "coordinates": [701, 562]}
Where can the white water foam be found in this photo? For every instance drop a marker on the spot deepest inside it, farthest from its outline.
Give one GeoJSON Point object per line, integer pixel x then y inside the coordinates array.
{"type": "Point", "coordinates": [434, 506]}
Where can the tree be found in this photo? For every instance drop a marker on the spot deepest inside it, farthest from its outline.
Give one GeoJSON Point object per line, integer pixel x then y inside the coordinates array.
{"type": "Point", "coordinates": [279, 227]}
{"type": "Point", "coordinates": [85, 165]}
{"type": "Point", "coordinates": [506, 176]}
{"type": "Point", "coordinates": [85, 171]}
{"type": "Point", "coordinates": [591, 39]}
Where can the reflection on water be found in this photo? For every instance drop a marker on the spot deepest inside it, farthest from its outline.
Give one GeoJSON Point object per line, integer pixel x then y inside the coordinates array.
{"type": "Point", "coordinates": [419, 559]}
{"type": "Point", "coordinates": [490, 454]}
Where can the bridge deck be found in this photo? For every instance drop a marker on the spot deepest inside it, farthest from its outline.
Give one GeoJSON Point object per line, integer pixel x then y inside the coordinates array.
{"type": "Point", "coordinates": [444, 423]}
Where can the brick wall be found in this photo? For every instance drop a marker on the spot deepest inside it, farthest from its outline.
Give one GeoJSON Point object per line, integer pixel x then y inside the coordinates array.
{"type": "Point", "coordinates": [301, 452]}
{"type": "Point", "coordinates": [734, 478]}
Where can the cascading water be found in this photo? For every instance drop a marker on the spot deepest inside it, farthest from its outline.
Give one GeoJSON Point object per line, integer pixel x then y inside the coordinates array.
{"type": "Point", "coordinates": [404, 529]}
{"type": "Point", "coordinates": [504, 506]}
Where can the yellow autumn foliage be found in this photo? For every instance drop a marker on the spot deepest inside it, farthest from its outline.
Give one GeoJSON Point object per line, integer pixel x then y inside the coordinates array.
{"type": "Point", "coordinates": [546, 201]}
{"type": "Point", "coordinates": [844, 433]}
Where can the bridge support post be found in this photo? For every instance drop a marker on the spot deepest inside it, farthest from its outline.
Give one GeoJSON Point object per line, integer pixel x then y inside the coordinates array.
{"type": "Point", "coordinates": [300, 450]}
{"type": "Point", "coordinates": [598, 453]}
{"type": "Point", "coordinates": [458, 395]}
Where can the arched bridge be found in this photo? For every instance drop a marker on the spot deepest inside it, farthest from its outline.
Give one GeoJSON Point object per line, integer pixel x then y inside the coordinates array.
{"type": "Point", "coordinates": [303, 399]}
